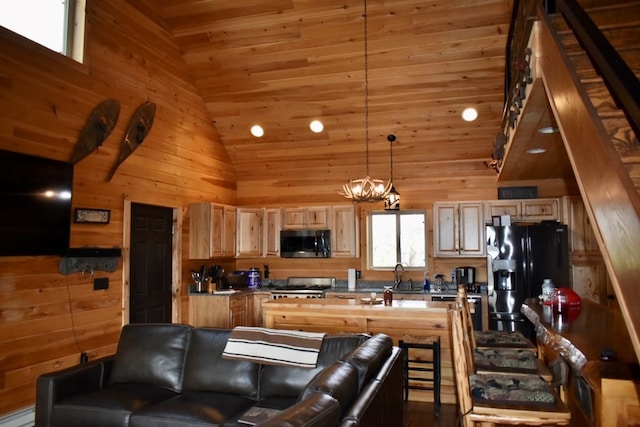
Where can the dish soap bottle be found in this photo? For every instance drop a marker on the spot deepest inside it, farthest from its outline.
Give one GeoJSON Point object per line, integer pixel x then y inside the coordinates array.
{"type": "Point", "coordinates": [427, 284]}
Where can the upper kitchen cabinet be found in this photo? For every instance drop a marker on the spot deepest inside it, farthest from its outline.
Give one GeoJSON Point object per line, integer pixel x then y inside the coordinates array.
{"type": "Point", "coordinates": [524, 209]}
{"type": "Point", "coordinates": [272, 232]}
{"type": "Point", "coordinates": [249, 239]}
{"type": "Point", "coordinates": [459, 229]}
{"type": "Point", "coordinates": [344, 234]}
{"type": "Point", "coordinates": [310, 217]}
{"type": "Point", "coordinates": [212, 230]}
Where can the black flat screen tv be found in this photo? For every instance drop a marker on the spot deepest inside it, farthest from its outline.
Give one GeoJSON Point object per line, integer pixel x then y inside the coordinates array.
{"type": "Point", "coordinates": [35, 217]}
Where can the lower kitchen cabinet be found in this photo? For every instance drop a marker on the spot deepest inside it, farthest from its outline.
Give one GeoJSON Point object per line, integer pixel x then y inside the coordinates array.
{"type": "Point", "coordinates": [227, 311]}
{"type": "Point", "coordinates": [259, 299]}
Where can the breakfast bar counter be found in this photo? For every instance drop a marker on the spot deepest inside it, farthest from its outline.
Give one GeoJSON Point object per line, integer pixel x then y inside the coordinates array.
{"type": "Point", "coordinates": [412, 317]}
{"type": "Point", "coordinates": [603, 383]}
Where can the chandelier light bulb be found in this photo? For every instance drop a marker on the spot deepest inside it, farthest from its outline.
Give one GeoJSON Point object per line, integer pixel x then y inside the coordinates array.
{"type": "Point", "coordinates": [257, 131]}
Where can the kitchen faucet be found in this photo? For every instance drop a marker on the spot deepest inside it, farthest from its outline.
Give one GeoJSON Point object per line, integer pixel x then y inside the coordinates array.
{"type": "Point", "coordinates": [397, 275]}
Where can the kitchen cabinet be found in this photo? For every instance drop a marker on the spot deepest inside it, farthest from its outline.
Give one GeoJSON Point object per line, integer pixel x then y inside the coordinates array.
{"type": "Point", "coordinates": [249, 233]}
{"type": "Point", "coordinates": [259, 298]}
{"type": "Point", "coordinates": [310, 217]}
{"type": "Point", "coordinates": [227, 311]}
{"type": "Point", "coordinates": [345, 232]}
{"type": "Point", "coordinates": [459, 229]}
{"type": "Point", "coordinates": [588, 272]}
{"type": "Point", "coordinates": [239, 308]}
{"type": "Point", "coordinates": [272, 232]}
{"type": "Point", "coordinates": [212, 230]}
{"type": "Point", "coordinates": [221, 311]}
{"type": "Point", "coordinates": [525, 209]}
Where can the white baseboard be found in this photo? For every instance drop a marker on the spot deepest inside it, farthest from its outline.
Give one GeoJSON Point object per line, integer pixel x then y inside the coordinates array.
{"type": "Point", "coordinates": [22, 418]}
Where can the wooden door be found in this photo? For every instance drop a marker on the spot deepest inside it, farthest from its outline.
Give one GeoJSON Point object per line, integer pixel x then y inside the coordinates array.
{"type": "Point", "coordinates": [150, 264]}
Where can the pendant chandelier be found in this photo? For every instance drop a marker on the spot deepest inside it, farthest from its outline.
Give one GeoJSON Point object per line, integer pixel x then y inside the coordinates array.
{"type": "Point", "coordinates": [366, 189]}
{"type": "Point", "coordinates": [392, 200]}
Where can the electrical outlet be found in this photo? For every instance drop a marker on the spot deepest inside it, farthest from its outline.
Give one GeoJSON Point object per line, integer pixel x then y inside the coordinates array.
{"type": "Point", "coordinates": [100, 283]}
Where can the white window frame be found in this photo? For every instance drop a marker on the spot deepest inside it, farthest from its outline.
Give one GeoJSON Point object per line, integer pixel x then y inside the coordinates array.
{"type": "Point", "coordinates": [73, 29]}
{"type": "Point", "coordinates": [397, 214]}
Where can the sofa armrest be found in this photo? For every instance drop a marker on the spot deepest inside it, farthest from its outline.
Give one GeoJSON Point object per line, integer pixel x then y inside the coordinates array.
{"type": "Point", "coordinates": [316, 410]}
{"type": "Point", "coordinates": [390, 375]}
{"type": "Point", "coordinates": [52, 387]}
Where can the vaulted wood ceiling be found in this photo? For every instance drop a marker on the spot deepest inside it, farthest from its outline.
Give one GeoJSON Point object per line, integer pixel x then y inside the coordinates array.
{"type": "Point", "coordinates": [283, 63]}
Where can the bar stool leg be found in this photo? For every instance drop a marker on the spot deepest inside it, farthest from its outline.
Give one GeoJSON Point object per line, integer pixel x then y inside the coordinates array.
{"type": "Point", "coordinates": [405, 370]}
{"type": "Point", "coordinates": [436, 377]}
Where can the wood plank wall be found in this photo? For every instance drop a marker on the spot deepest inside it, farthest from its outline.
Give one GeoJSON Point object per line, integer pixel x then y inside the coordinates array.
{"type": "Point", "coordinates": [48, 319]}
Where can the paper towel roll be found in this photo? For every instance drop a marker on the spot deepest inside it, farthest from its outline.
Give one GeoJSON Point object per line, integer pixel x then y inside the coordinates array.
{"type": "Point", "coordinates": [352, 279]}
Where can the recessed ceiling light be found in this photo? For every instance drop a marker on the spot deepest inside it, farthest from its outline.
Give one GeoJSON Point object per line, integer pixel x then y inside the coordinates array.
{"type": "Point", "coordinates": [469, 114]}
{"type": "Point", "coordinates": [536, 150]}
{"type": "Point", "coordinates": [257, 131]}
{"type": "Point", "coordinates": [548, 129]}
{"type": "Point", "coordinates": [316, 126]}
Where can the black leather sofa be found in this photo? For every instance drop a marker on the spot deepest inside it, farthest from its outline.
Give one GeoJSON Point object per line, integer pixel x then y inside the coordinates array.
{"type": "Point", "coordinates": [169, 375]}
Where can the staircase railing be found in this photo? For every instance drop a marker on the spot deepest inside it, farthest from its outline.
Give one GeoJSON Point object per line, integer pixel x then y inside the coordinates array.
{"type": "Point", "coordinates": [619, 78]}
{"type": "Point", "coordinates": [616, 74]}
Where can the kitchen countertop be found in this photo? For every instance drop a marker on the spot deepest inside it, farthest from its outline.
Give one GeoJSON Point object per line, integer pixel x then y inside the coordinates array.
{"type": "Point", "coordinates": [336, 289]}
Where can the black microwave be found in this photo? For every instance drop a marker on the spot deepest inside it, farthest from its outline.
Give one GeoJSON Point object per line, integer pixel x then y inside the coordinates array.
{"type": "Point", "coordinates": [305, 244]}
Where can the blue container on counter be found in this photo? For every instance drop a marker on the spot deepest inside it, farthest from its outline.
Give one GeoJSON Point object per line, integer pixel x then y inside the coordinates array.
{"type": "Point", "coordinates": [253, 281]}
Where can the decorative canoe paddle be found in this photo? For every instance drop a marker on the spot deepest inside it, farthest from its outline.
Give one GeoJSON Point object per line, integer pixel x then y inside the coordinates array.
{"type": "Point", "coordinates": [139, 128]}
{"type": "Point", "coordinates": [98, 127]}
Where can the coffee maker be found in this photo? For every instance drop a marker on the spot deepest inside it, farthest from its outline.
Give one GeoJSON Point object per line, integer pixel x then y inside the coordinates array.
{"type": "Point", "coordinates": [465, 275]}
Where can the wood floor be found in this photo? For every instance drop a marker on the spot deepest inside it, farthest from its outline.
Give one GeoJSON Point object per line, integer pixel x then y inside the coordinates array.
{"type": "Point", "coordinates": [421, 414]}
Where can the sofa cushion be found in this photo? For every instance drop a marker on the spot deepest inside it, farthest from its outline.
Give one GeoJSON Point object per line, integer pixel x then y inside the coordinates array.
{"type": "Point", "coordinates": [206, 370]}
{"type": "Point", "coordinates": [368, 357]}
{"type": "Point", "coordinates": [111, 406]}
{"type": "Point", "coordinates": [339, 380]}
{"type": "Point", "coordinates": [318, 410]}
{"type": "Point", "coordinates": [287, 381]}
{"type": "Point", "coordinates": [192, 409]}
{"type": "Point", "coordinates": [151, 354]}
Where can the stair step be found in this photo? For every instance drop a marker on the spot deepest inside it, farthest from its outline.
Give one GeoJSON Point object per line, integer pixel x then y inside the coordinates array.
{"type": "Point", "coordinates": [634, 174]}
{"type": "Point", "coordinates": [622, 136]}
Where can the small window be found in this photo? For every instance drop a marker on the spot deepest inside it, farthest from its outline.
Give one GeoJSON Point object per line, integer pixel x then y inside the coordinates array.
{"type": "Point", "coordinates": [397, 237]}
{"type": "Point", "coordinates": [55, 24]}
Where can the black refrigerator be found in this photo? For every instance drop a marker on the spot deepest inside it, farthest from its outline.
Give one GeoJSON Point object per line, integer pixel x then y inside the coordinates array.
{"type": "Point", "coordinates": [519, 258]}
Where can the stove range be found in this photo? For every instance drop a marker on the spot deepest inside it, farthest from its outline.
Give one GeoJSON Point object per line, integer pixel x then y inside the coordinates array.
{"type": "Point", "coordinates": [304, 287]}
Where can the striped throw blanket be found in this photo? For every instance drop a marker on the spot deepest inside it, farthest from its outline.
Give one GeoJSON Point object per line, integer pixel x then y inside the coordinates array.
{"type": "Point", "coordinates": [274, 346]}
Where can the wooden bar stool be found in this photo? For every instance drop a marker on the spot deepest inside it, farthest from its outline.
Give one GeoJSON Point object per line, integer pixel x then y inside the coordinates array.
{"type": "Point", "coordinates": [420, 366]}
